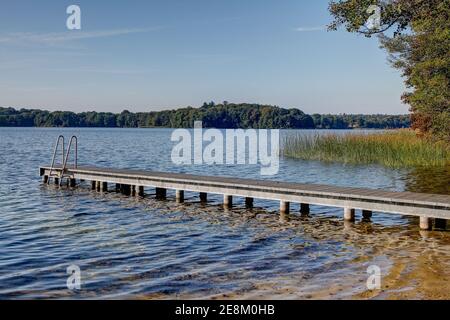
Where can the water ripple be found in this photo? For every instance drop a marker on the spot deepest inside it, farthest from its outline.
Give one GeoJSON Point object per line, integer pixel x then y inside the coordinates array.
{"type": "Point", "coordinates": [145, 248]}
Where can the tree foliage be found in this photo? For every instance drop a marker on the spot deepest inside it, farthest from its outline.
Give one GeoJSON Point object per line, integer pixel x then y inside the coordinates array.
{"type": "Point", "coordinates": [419, 46]}
{"type": "Point", "coordinates": [353, 121]}
{"type": "Point", "coordinates": [226, 115]}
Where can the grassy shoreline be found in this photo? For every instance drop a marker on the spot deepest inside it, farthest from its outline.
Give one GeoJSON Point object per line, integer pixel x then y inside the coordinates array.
{"type": "Point", "coordinates": [394, 149]}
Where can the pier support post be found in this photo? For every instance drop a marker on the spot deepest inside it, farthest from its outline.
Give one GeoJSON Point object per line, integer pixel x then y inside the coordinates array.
{"type": "Point", "coordinates": [56, 180]}
{"type": "Point", "coordinates": [248, 202]}
{"type": "Point", "coordinates": [97, 185]}
{"type": "Point", "coordinates": [125, 189]}
{"type": "Point", "coordinates": [140, 191]}
{"type": "Point", "coordinates": [349, 214]}
{"type": "Point", "coordinates": [227, 201]}
{"type": "Point", "coordinates": [425, 223]}
{"type": "Point", "coordinates": [284, 217]}
{"type": "Point", "coordinates": [104, 186]}
{"type": "Point", "coordinates": [45, 179]}
{"type": "Point", "coordinates": [133, 190]}
{"type": "Point", "coordinates": [440, 223]}
{"type": "Point", "coordinates": [72, 183]}
{"type": "Point", "coordinates": [284, 207]}
{"type": "Point", "coordinates": [304, 209]}
{"type": "Point", "coordinates": [179, 195]}
{"type": "Point", "coordinates": [348, 225]}
{"type": "Point", "coordinates": [161, 193]}
{"type": "Point", "coordinates": [93, 185]}
{"type": "Point", "coordinates": [203, 197]}
{"type": "Point", "coordinates": [367, 214]}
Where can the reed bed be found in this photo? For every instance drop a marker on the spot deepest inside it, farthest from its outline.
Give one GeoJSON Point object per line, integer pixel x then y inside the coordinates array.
{"type": "Point", "coordinates": [395, 149]}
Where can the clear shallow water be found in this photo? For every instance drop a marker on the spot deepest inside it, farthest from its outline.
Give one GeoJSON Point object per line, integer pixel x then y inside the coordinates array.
{"type": "Point", "coordinates": [145, 248]}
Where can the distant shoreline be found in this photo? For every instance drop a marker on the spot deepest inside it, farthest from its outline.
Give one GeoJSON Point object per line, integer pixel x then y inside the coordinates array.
{"type": "Point", "coordinates": [312, 129]}
{"type": "Point", "coordinates": [220, 116]}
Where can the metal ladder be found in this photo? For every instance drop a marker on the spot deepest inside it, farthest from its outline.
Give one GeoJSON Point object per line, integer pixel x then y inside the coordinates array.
{"type": "Point", "coordinates": [64, 159]}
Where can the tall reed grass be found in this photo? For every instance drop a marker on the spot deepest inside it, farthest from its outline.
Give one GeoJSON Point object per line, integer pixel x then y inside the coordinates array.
{"type": "Point", "coordinates": [395, 149]}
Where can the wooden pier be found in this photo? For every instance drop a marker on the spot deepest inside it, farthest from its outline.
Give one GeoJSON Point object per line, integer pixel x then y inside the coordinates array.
{"type": "Point", "coordinates": [429, 207]}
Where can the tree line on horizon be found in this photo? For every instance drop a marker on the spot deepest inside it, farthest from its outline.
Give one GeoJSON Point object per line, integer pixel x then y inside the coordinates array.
{"type": "Point", "coordinates": [225, 115]}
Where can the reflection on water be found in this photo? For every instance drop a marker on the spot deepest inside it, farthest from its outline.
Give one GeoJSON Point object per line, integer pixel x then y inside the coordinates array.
{"type": "Point", "coordinates": [428, 180]}
{"type": "Point", "coordinates": [145, 248]}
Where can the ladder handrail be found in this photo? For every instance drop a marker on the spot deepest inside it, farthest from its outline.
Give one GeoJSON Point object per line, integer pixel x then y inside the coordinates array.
{"type": "Point", "coordinates": [73, 138]}
{"type": "Point", "coordinates": [60, 137]}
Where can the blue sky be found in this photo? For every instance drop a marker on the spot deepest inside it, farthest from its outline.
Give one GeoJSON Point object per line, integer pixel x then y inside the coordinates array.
{"type": "Point", "coordinates": [154, 55]}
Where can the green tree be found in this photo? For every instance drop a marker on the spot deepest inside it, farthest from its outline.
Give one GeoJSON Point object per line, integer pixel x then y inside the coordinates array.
{"type": "Point", "coordinates": [418, 44]}
{"type": "Point", "coordinates": [219, 116]}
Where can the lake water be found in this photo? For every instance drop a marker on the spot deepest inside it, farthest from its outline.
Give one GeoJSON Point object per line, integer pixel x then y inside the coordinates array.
{"type": "Point", "coordinates": [147, 248]}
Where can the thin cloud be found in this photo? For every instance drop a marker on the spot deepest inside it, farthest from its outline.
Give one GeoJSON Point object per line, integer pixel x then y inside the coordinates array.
{"type": "Point", "coordinates": [99, 70]}
{"type": "Point", "coordinates": [216, 57]}
{"type": "Point", "coordinates": [309, 29]}
{"type": "Point", "coordinates": [68, 36]}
